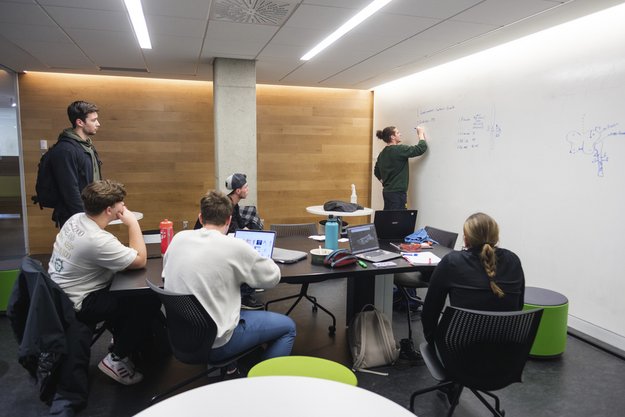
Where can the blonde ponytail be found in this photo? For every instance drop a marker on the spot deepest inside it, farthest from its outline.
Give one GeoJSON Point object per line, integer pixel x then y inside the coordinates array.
{"type": "Point", "coordinates": [489, 262]}
{"type": "Point", "coordinates": [481, 230]}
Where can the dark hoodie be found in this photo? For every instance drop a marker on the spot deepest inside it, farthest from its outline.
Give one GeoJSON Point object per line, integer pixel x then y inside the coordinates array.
{"type": "Point", "coordinates": [75, 164]}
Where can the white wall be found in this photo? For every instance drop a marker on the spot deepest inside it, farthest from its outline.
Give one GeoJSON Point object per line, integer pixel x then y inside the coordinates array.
{"type": "Point", "coordinates": [533, 133]}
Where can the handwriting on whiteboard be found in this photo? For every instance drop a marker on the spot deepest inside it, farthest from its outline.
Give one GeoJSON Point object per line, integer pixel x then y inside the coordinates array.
{"type": "Point", "coordinates": [475, 128]}
{"type": "Point", "coordinates": [590, 143]}
{"type": "Point", "coordinates": [472, 128]}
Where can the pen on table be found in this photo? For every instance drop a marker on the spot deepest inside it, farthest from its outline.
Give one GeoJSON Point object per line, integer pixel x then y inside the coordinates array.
{"type": "Point", "coordinates": [362, 264]}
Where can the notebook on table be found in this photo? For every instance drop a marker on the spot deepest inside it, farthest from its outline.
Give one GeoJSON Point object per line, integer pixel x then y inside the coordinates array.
{"type": "Point", "coordinates": [394, 224]}
{"type": "Point", "coordinates": [263, 242]}
{"type": "Point", "coordinates": [363, 242]}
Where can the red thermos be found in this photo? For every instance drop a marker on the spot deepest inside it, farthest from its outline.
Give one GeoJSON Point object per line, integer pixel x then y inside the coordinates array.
{"type": "Point", "coordinates": [167, 233]}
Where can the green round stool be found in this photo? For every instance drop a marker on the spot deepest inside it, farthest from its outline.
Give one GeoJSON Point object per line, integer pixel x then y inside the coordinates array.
{"type": "Point", "coordinates": [550, 340]}
{"type": "Point", "coordinates": [7, 279]}
{"type": "Point", "coordinates": [304, 366]}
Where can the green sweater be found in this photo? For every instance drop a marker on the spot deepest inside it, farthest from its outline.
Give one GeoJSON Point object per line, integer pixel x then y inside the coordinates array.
{"type": "Point", "coordinates": [392, 165]}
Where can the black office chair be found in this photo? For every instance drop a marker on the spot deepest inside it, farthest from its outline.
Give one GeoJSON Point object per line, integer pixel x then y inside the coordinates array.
{"type": "Point", "coordinates": [301, 229]}
{"type": "Point", "coordinates": [191, 332]}
{"type": "Point", "coordinates": [414, 280]}
{"type": "Point", "coordinates": [481, 350]}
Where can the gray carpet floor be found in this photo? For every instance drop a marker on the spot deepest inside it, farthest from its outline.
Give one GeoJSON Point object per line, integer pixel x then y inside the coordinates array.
{"type": "Point", "coordinates": [585, 381]}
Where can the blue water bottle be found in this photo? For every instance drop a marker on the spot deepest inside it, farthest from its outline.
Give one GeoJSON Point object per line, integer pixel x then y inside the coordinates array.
{"type": "Point", "coordinates": [332, 233]}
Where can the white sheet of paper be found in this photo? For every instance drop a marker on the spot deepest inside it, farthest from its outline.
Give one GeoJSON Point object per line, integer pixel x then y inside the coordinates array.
{"type": "Point", "coordinates": [421, 258]}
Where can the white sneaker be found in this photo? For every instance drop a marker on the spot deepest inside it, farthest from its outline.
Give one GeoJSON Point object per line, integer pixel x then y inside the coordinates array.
{"type": "Point", "coordinates": [121, 370]}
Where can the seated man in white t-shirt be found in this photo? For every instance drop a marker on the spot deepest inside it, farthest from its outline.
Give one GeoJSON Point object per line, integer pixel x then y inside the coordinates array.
{"type": "Point", "coordinates": [84, 259]}
{"type": "Point", "coordinates": [212, 266]}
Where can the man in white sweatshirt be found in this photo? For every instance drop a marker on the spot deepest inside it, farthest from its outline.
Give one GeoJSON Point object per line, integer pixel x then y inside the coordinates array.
{"type": "Point", "coordinates": [212, 266]}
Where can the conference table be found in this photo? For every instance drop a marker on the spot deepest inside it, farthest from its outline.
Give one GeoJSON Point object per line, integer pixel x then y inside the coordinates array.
{"type": "Point", "coordinates": [369, 285]}
{"type": "Point", "coordinates": [277, 396]}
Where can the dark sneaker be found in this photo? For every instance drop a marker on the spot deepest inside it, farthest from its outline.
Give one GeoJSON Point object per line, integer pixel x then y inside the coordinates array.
{"type": "Point", "coordinates": [248, 302]}
{"type": "Point", "coordinates": [408, 355]}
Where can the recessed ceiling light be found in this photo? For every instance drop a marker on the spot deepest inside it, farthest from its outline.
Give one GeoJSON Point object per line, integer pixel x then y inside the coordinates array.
{"type": "Point", "coordinates": [135, 11]}
{"type": "Point", "coordinates": [346, 27]}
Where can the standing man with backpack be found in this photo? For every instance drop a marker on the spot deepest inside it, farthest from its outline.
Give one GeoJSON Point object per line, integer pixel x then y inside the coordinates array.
{"type": "Point", "coordinates": [73, 161]}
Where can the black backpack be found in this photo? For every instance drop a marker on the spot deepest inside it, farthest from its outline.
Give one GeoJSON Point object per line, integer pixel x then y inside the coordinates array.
{"type": "Point", "coordinates": [46, 188]}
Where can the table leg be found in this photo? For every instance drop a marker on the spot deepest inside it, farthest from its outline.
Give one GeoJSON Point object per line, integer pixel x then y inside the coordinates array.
{"type": "Point", "coordinates": [369, 289]}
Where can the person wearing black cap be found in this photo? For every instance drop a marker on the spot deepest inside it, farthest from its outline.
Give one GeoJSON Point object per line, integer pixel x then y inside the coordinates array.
{"type": "Point", "coordinates": [237, 184]}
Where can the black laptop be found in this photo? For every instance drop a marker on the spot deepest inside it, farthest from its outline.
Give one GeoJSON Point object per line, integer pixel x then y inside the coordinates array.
{"type": "Point", "coordinates": [363, 242]}
{"type": "Point", "coordinates": [395, 224]}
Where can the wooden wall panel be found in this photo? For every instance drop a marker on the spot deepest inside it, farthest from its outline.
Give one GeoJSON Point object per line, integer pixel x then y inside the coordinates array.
{"type": "Point", "coordinates": [157, 138]}
{"type": "Point", "coordinates": [313, 143]}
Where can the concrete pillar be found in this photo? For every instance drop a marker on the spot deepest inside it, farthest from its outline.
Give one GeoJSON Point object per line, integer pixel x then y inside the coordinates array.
{"type": "Point", "coordinates": [234, 100]}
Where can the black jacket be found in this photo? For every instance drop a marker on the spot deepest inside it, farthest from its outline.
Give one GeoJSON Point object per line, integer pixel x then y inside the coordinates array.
{"type": "Point", "coordinates": [45, 325]}
{"type": "Point", "coordinates": [461, 276]}
{"type": "Point", "coordinates": [72, 168]}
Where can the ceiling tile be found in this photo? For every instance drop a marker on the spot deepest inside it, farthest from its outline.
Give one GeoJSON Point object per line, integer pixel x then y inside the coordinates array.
{"type": "Point", "coordinates": [503, 12]}
{"type": "Point", "coordinates": [29, 14]}
{"type": "Point", "coordinates": [57, 56]}
{"type": "Point", "coordinates": [90, 19]}
{"type": "Point", "coordinates": [108, 48]}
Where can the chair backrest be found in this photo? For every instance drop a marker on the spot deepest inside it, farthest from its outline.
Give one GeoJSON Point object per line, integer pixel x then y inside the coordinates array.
{"type": "Point", "coordinates": [296, 229]}
{"type": "Point", "coordinates": [443, 237]}
{"type": "Point", "coordinates": [486, 350]}
{"type": "Point", "coordinates": [191, 329]}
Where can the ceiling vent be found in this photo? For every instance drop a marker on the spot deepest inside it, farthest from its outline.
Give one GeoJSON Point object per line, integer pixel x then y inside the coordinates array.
{"type": "Point", "coordinates": [258, 12]}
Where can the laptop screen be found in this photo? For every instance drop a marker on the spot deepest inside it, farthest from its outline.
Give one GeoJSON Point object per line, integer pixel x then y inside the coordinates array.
{"type": "Point", "coordinates": [394, 224]}
{"type": "Point", "coordinates": [362, 238]}
{"type": "Point", "coordinates": [261, 240]}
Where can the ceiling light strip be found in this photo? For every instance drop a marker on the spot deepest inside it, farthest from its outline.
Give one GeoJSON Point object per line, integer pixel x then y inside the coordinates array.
{"type": "Point", "coordinates": [135, 11]}
{"type": "Point", "coordinates": [346, 27]}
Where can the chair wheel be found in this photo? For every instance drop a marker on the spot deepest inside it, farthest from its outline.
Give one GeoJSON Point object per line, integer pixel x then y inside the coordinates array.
{"type": "Point", "coordinates": [332, 330]}
{"type": "Point", "coordinates": [503, 413]}
{"type": "Point", "coordinates": [315, 309]}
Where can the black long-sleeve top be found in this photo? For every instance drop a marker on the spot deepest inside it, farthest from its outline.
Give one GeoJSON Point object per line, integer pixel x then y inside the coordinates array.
{"type": "Point", "coordinates": [461, 275]}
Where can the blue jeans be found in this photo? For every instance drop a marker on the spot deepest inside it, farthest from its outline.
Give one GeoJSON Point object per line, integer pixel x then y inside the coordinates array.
{"type": "Point", "coordinates": [258, 327]}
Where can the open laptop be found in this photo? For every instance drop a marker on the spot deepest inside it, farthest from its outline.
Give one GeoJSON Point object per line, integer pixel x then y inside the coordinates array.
{"type": "Point", "coordinates": [263, 242]}
{"type": "Point", "coordinates": [363, 242]}
{"type": "Point", "coordinates": [152, 240]}
{"type": "Point", "coordinates": [394, 224]}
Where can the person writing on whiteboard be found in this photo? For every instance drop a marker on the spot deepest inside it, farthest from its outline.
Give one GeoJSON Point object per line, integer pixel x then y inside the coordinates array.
{"type": "Point", "coordinates": [391, 168]}
{"type": "Point", "coordinates": [481, 277]}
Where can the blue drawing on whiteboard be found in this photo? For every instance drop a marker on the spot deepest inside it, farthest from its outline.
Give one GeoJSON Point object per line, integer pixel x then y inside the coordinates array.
{"type": "Point", "coordinates": [591, 143]}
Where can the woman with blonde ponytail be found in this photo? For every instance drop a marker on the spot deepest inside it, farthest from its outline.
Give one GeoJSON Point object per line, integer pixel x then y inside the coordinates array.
{"type": "Point", "coordinates": [481, 277]}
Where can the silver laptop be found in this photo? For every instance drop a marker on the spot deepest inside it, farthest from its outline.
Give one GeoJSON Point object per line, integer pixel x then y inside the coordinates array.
{"type": "Point", "coordinates": [288, 256]}
{"type": "Point", "coordinates": [263, 242]}
{"type": "Point", "coordinates": [152, 240]}
{"type": "Point", "coordinates": [363, 242]}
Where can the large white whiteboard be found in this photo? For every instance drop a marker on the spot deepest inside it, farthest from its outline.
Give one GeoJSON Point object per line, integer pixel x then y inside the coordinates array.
{"type": "Point", "coordinates": [533, 133]}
